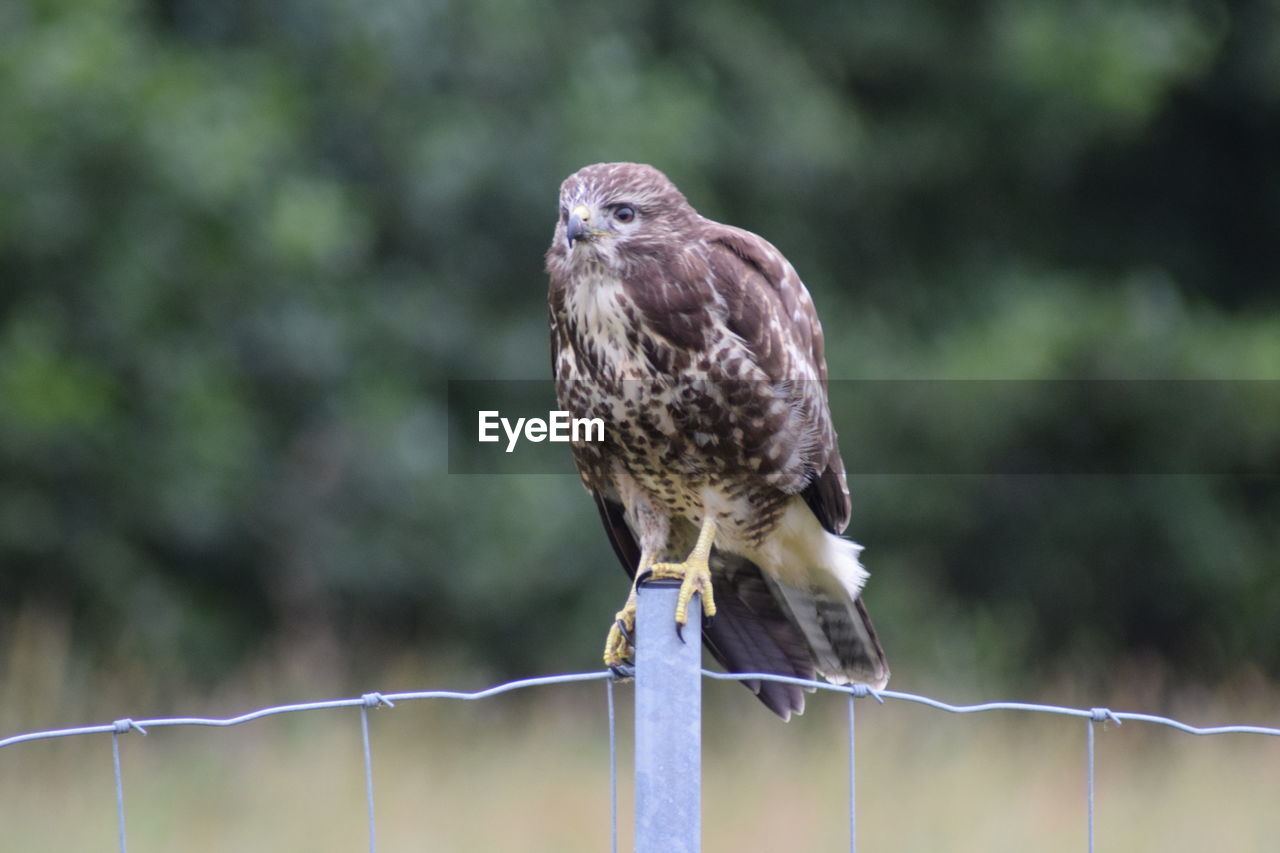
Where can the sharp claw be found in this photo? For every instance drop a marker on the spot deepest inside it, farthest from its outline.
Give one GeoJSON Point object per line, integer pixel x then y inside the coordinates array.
{"type": "Point", "coordinates": [644, 576]}
{"type": "Point", "coordinates": [622, 670]}
{"type": "Point", "coordinates": [680, 631]}
{"type": "Point", "coordinates": [626, 634]}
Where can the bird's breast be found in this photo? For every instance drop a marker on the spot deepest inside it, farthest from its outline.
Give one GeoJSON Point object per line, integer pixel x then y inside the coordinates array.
{"type": "Point", "coordinates": [605, 327]}
{"type": "Point", "coordinates": [677, 417]}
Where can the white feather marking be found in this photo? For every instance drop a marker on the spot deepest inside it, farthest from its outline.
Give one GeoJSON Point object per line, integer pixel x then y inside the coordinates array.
{"type": "Point", "coordinates": [596, 304]}
{"type": "Point", "coordinates": [801, 553]}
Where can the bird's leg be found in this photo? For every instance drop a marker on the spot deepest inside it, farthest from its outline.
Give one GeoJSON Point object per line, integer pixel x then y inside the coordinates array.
{"type": "Point", "coordinates": [694, 574]}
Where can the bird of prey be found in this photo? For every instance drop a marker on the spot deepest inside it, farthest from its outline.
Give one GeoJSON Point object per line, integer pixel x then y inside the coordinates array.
{"type": "Point", "coordinates": [698, 346]}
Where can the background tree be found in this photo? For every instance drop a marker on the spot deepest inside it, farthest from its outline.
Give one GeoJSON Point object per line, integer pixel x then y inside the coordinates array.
{"type": "Point", "coordinates": [243, 246]}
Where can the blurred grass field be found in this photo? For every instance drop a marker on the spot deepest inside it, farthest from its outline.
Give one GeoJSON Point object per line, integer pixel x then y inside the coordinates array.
{"type": "Point", "coordinates": [529, 772]}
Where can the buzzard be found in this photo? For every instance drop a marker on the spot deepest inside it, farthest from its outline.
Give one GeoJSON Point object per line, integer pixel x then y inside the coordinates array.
{"type": "Point", "coordinates": [699, 347]}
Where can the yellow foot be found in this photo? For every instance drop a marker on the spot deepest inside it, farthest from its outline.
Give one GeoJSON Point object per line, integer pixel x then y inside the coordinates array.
{"type": "Point", "coordinates": [619, 653]}
{"type": "Point", "coordinates": [694, 575]}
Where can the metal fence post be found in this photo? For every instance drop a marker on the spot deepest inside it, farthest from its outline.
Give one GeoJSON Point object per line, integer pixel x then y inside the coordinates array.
{"type": "Point", "coordinates": [668, 723]}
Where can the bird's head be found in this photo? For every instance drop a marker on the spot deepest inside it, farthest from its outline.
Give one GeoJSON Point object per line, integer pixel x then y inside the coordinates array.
{"type": "Point", "coordinates": [616, 214]}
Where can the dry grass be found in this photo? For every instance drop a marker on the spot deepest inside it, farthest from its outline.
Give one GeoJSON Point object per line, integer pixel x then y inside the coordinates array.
{"type": "Point", "coordinates": [530, 773]}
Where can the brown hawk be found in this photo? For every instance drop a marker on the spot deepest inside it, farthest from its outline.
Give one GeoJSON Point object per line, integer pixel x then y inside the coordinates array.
{"type": "Point", "coordinates": [698, 346]}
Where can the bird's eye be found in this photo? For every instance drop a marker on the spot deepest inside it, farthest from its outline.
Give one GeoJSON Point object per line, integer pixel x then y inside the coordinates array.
{"type": "Point", "coordinates": [624, 213]}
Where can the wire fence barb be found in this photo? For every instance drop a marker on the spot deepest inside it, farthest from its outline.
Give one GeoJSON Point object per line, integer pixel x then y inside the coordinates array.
{"type": "Point", "coordinates": [1092, 716]}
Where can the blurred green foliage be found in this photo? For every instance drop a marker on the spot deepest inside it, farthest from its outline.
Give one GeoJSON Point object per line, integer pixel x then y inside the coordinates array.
{"type": "Point", "coordinates": [243, 246]}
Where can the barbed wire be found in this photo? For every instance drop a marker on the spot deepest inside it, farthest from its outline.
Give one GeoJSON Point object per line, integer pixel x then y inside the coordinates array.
{"type": "Point", "coordinates": [367, 701]}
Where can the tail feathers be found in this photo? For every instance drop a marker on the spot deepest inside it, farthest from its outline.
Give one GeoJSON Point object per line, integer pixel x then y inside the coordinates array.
{"type": "Point", "coordinates": [751, 632]}
{"type": "Point", "coordinates": [839, 633]}
{"type": "Point", "coordinates": [861, 658]}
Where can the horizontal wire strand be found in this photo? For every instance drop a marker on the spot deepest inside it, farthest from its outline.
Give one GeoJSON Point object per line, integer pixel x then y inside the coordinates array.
{"type": "Point", "coordinates": [858, 691]}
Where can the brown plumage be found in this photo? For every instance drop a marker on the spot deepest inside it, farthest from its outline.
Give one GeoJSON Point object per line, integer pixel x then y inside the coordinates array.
{"type": "Point", "coordinates": [699, 347]}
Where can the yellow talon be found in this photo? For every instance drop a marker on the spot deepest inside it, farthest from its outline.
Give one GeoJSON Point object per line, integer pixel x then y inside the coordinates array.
{"type": "Point", "coordinates": [618, 651]}
{"type": "Point", "coordinates": [694, 574]}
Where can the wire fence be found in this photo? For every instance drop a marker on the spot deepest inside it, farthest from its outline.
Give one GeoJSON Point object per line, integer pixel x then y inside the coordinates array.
{"type": "Point", "coordinates": [1092, 716]}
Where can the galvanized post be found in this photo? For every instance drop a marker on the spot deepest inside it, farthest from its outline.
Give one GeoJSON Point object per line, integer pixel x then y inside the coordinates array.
{"type": "Point", "coordinates": [668, 723]}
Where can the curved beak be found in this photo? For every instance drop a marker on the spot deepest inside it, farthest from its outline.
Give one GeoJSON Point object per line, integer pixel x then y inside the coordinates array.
{"type": "Point", "coordinates": [577, 226]}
